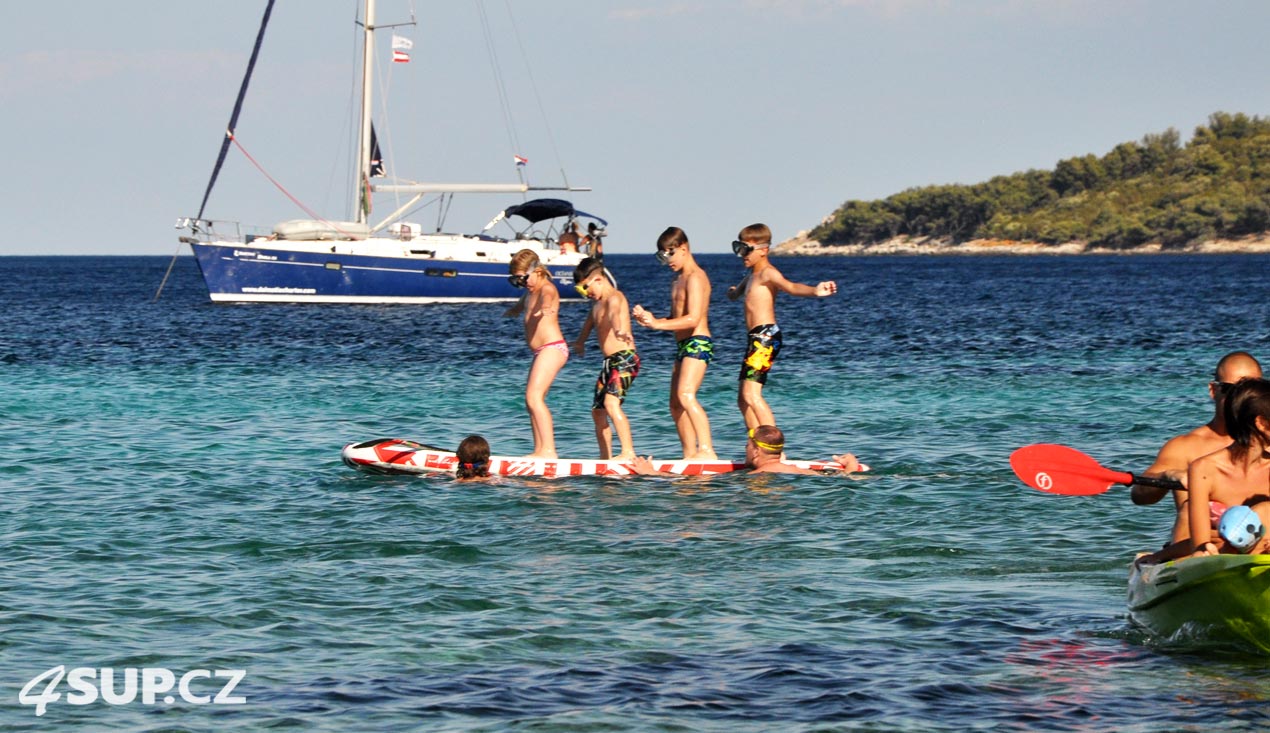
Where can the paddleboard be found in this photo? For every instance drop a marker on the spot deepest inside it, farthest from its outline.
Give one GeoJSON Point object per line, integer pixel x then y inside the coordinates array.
{"type": "Point", "coordinates": [395, 455]}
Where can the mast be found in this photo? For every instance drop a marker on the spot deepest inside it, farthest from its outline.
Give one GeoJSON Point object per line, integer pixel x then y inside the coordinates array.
{"type": "Point", "coordinates": [361, 179]}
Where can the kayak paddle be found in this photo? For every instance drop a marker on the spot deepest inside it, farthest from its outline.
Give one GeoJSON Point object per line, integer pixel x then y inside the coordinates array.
{"type": "Point", "coordinates": [1057, 469]}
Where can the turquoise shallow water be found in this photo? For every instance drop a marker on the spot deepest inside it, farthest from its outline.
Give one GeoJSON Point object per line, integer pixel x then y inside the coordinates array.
{"type": "Point", "coordinates": [174, 498]}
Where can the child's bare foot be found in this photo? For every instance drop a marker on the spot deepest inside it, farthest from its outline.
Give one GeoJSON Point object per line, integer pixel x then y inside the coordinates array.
{"type": "Point", "coordinates": [705, 453]}
{"type": "Point", "coordinates": [552, 454]}
{"type": "Point", "coordinates": [626, 457]}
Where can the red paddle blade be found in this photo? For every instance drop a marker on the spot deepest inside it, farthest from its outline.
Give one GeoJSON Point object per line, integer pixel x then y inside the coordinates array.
{"type": "Point", "coordinates": [1057, 469]}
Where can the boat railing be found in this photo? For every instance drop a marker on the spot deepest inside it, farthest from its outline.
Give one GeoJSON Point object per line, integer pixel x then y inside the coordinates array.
{"type": "Point", "coordinates": [221, 230]}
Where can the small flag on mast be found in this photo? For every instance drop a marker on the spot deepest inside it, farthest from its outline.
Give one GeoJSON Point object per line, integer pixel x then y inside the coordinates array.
{"type": "Point", "coordinates": [401, 49]}
{"type": "Point", "coordinates": [519, 160]}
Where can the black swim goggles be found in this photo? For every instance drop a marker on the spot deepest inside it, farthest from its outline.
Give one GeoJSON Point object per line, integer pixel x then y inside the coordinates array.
{"type": "Point", "coordinates": [519, 281]}
{"type": "Point", "coordinates": [663, 255]}
{"type": "Point", "coordinates": [742, 249]}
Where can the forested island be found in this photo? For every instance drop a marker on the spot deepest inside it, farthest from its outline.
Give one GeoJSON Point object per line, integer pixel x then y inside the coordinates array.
{"type": "Point", "coordinates": [1155, 195]}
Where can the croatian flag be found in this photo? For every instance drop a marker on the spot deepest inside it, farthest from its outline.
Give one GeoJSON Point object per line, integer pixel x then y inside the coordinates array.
{"type": "Point", "coordinates": [401, 49]}
{"type": "Point", "coordinates": [519, 160]}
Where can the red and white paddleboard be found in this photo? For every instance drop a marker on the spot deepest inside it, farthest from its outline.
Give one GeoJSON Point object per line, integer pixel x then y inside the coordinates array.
{"type": "Point", "coordinates": [393, 455]}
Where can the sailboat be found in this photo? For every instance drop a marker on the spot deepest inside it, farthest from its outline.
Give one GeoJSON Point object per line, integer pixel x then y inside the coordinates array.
{"type": "Point", "coordinates": [393, 260]}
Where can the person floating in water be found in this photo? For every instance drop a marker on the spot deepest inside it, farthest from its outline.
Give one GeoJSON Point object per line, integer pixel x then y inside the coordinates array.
{"type": "Point", "coordinates": [688, 319]}
{"type": "Point", "coordinates": [473, 463]}
{"type": "Point", "coordinates": [765, 451]}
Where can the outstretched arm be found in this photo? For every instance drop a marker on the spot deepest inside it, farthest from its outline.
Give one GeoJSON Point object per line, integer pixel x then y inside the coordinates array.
{"type": "Point", "coordinates": [819, 290]}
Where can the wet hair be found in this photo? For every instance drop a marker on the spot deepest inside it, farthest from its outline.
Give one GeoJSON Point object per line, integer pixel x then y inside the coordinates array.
{"type": "Point", "coordinates": [568, 237]}
{"type": "Point", "coordinates": [587, 268]}
{"type": "Point", "coordinates": [769, 439]}
{"type": "Point", "coordinates": [473, 455]}
{"type": "Point", "coordinates": [1248, 400]}
{"type": "Point", "coordinates": [1234, 357]}
{"type": "Point", "coordinates": [756, 234]}
{"type": "Point", "coordinates": [672, 238]}
{"type": "Point", "coordinates": [525, 261]}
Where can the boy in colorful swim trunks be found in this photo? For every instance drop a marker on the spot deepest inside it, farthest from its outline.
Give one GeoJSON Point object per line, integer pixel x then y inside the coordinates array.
{"type": "Point", "coordinates": [759, 288]}
{"type": "Point", "coordinates": [689, 303]}
{"type": "Point", "coordinates": [610, 317]}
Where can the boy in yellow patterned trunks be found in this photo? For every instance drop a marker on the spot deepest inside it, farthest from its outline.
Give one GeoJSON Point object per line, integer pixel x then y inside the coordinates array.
{"type": "Point", "coordinates": [759, 288]}
{"type": "Point", "coordinates": [611, 318]}
{"type": "Point", "coordinates": [688, 319]}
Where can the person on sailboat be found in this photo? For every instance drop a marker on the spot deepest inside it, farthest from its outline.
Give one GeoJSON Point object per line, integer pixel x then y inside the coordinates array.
{"type": "Point", "coordinates": [541, 308]}
{"type": "Point", "coordinates": [569, 243]}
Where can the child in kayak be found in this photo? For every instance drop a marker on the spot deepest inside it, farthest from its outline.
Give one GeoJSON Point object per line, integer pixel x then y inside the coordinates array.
{"type": "Point", "coordinates": [759, 289]}
{"type": "Point", "coordinates": [541, 306]}
{"type": "Point", "coordinates": [611, 318]}
{"type": "Point", "coordinates": [689, 303]}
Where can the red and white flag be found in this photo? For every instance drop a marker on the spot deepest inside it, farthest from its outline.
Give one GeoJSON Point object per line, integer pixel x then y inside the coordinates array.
{"type": "Point", "coordinates": [401, 49]}
{"type": "Point", "coordinates": [519, 160]}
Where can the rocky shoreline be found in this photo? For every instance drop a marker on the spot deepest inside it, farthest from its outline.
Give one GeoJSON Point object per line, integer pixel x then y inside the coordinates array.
{"type": "Point", "coordinates": [803, 246]}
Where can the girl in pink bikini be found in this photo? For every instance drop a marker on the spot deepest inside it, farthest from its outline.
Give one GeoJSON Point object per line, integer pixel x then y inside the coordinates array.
{"type": "Point", "coordinates": [541, 306]}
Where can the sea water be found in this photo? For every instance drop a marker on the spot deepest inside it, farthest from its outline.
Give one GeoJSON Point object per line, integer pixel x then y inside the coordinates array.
{"type": "Point", "coordinates": [173, 500]}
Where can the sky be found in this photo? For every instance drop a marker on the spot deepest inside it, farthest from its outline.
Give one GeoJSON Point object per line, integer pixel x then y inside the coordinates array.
{"type": "Point", "coordinates": [704, 114]}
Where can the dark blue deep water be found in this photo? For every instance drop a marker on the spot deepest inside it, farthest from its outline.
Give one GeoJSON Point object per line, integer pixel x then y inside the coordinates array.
{"type": "Point", "coordinates": [172, 497]}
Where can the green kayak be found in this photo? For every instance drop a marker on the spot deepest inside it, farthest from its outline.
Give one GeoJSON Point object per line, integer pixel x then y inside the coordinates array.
{"type": "Point", "coordinates": [1220, 597]}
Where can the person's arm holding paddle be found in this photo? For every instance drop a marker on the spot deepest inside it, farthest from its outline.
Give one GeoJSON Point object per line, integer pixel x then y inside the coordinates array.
{"type": "Point", "coordinates": [1171, 463]}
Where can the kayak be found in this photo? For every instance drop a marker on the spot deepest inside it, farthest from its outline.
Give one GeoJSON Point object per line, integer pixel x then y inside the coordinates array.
{"type": "Point", "coordinates": [1217, 598]}
{"type": "Point", "coordinates": [398, 456]}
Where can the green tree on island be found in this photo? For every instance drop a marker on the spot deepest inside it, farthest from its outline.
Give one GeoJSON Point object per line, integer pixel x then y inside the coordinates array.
{"type": "Point", "coordinates": [1217, 186]}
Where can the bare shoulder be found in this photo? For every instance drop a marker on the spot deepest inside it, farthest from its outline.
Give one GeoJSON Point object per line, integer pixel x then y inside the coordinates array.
{"type": "Point", "coordinates": [1189, 446]}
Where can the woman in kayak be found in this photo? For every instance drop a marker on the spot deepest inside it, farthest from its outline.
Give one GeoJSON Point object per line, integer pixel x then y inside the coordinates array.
{"type": "Point", "coordinates": [1236, 475]}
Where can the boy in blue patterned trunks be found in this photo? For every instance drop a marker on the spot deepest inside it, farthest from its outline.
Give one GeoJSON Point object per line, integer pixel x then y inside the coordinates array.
{"type": "Point", "coordinates": [759, 288]}
{"type": "Point", "coordinates": [689, 303]}
{"type": "Point", "coordinates": [611, 318]}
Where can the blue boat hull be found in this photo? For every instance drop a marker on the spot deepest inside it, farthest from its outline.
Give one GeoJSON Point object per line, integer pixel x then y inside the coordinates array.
{"type": "Point", "coordinates": [262, 275]}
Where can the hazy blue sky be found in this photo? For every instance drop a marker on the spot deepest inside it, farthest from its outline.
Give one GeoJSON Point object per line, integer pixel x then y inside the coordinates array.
{"type": "Point", "coordinates": [704, 114]}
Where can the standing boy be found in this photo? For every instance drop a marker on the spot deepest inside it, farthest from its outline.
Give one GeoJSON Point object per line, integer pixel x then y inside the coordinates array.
{"type": "Point", "coordinates": [689, 303]}
{"type": "Point", "coordinates": [610, 317]}
{"type": "Point", "coordinates": [759, 288]}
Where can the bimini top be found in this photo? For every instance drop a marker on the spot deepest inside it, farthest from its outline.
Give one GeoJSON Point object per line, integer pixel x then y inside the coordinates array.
{"type": "Point", "coordinates": [543, 209]}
